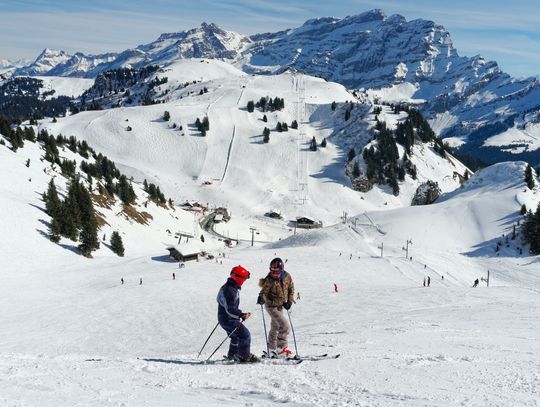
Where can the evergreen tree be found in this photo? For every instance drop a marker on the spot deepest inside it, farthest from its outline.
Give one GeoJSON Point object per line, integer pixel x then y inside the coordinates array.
{"type": "Point", "coordinates": [284, 126]}
{"type": "Point", "coordinates": [279, 127]}
{"type": "Point", "coordinates": [125, 191]}
{"type": "Point", "coordinates": [294, 124]}
{"type": "Point", "coordinates": [323, 142]}
{"type": "Point", "coordinates": [523, 210]}
{"type": "Point", "coordinates": [88, 235]}
{"type": "Point", "coordinates": [52, 203]}
{"type": "Point", "coordinates": [117, 246]}
{"type": "Point", "coordinates": [264, 119]}
{"type": "Point", "coordinates": [54, 230]}
{"type": "Point", "coordinates": [250, 106]}
{"type": "Point", "coordinates": [266, 135]}
{"type": "Point", "coordinates": [333, 106]}
{"type": "Point", "coordinates": [351, 154]}
{"type": "Point", "coordinates": [356, 170]}
{"type": "Point", "coordinates": [313, 144]}
{"type": "Point", "coordinates": [531, 230]}
{"type": "Point", "coordinates": [166, 116]}
{"type": "Point", "coordinates": [529, 178]}
{"type": "Point", "coordinates": [347, 114]}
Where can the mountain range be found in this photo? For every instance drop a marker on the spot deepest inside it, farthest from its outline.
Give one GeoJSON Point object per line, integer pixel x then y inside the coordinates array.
{"type": "Point", "coordinates": [470, 102]}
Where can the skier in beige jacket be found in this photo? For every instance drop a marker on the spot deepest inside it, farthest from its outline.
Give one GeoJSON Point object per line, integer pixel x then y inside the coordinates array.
{"type": "Point", "coordinates": [277, 292]}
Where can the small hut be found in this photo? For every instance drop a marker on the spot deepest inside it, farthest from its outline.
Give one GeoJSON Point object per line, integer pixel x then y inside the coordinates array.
{"type": "Point", "coordinates": [305, 222]}
{"type": "Point", "coordinates": [273, 214]}
{"type": "Point", "coordinates": [184, 252]}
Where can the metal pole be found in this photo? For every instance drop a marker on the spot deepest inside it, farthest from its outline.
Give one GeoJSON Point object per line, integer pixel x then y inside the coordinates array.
{"type": "Point", "coordinates": [265, 334]}
{"type": "Point", "coordinates": [207, 339]}
{"type": "Point", "coordinates": [228, 336]}
{"type": "Point", "coordinates": [488, 279]}
{"type": "Point", "coordinates": [294, 336]}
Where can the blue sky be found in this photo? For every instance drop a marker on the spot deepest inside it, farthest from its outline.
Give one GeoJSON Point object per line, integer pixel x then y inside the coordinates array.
{"type": "Point", "coordinates": [508, 32]}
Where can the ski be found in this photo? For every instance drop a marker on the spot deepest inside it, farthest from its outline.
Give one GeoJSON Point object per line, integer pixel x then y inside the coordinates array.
{"type": "Point", "coordinates": [305, 358]}
{"type": "Point", "coordinates": [314, 358]}
{"type": "Point", "coordinates": [264, 360]}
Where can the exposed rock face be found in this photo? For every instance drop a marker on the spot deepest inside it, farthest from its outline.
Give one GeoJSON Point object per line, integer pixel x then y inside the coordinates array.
{"type": "Point", "coordinates": [426, 193]}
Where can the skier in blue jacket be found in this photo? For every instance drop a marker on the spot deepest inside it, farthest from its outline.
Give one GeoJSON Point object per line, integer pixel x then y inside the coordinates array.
{"type": "Point", "coordinates": [231, 317]}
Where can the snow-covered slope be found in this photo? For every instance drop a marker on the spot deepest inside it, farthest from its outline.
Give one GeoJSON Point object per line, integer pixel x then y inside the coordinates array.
{"type": "Point", "coordinates": [246, 175]}
{"type": "Point", "coordinates": [71, 87]}
{"type": "Point", "coordinates": [73, 334]}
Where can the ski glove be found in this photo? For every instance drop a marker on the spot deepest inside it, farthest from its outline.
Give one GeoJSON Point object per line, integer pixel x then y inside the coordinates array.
{"type": "Point", "coordinates": [260, 300]}
{"type": "Point", "coordinates": [287, 305]}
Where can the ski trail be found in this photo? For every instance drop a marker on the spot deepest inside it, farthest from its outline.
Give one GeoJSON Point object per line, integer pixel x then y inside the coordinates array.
{"type": "Point", "coordinates": [228, 155]}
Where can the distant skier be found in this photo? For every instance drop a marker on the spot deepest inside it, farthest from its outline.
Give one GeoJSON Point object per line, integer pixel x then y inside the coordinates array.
{"type": "Point", "coordinates": [173, 276]}
{"type": "Point", "coordinates": [231, 318]}
{"type": "Point", "coordinates": [442, 277]}
{"type": "Point", "coordinates": [335, 288]}
{"type": "Point", "coordinates": [476, 282]}
{"type": "Point", "coordinates": [428, 281]}
{"type": "Point", "coordinates": [298, 295]}
{"type": "Point", "coordinates": [140, 281]}
{"type": "Point", "coordinates": [122, 280]}
{"type": "Point", "coordinates": [424, 281]}
{"type": "Point", "coordinates": [277, 292]}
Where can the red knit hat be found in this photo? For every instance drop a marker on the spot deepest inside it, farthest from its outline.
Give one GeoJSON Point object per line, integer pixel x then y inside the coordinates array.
{"type": "Point", "coordinates": [239, 274]}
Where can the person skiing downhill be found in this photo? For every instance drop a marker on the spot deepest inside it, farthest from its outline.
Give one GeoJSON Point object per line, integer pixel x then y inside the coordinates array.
{"type": "Point", "coordinates": [277, 292]}
{"type": "Point", "coordinates": [231, 318]}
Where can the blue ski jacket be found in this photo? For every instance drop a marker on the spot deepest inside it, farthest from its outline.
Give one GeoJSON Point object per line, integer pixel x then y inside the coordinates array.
{"type": "Point", "coordinates": [228, 299]}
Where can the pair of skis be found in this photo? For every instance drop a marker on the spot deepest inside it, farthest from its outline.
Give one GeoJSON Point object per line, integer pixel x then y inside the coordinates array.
{"type": "Point", "coordinates": [310, 358]}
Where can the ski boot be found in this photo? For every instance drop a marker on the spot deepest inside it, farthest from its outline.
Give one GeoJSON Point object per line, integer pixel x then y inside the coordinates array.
{"type": "Point", "coordinates": [285, 353]}
{"type": "Point", "coordinates": [251, 358]}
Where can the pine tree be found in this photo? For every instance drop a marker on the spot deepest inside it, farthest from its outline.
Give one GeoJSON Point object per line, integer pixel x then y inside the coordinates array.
{"type": "Point", "coordinates": [166, 116]}
{"type": "Point", "coordinates": [523, 210]}
{"type": "Point", "coordinates": [125, 191]}
{"type": "Point", "coordinates": [323, 142]}
{"type": "Point", "coordinates": [356, 170]}
{"type": "Point", "coordinates": [347, 114]}
{"type": "Point", "coordinates": [250, 106]}
{"type": "Point", "coordinates": [294, 124]}
{"type": "Point", "coordinates": [264, 119]}
{"type": "Point", "coordinates": [333, 106]}
{"type": "Point", "coordinates": [279, 127]}
{"type": "Point", "coordinates": [88, 235]}
{"type": "Point", "coordinates": [54, 230]}
{"type": "Point", "coordinates": [52, 202]}
{"type": "Point", "coordinates": [313, 144]}
{"type": "Point", "coordinates": [266, 135]}
{"type": "Point", "coordinates": [531, 230]}
{"type": "Point", "coordinates": [351, 154]}
{"type": "Point", "coordinates": [529, 178]}
{"type": "Point", "coordinates": [117, 246]}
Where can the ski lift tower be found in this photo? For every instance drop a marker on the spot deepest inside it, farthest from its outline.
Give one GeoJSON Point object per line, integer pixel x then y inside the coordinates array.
{"type": "Point", "coordinates": [184, 234]}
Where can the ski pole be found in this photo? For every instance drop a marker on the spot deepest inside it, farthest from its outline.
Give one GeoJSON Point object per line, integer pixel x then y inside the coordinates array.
{"type": "Point", "coordinates": [265, 334]}
{"type": "Point", "coordinates": [293, 335]}
{"type": "Point", "coordinates": [228, 336]}
{"type": "Point", "coordinates": [207, 339]}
